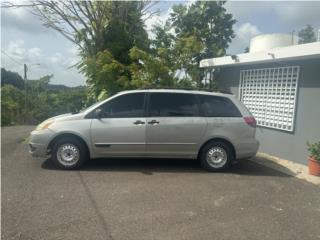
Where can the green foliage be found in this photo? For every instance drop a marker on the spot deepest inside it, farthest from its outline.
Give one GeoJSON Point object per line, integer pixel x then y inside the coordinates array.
{"type": "Point", "coordinates": [186, 49]}
{"type": "Point", "coordinates": [163, 38]}
{"type": "Point", "coordinates": [38, 102]}
{"type": "Point", "coordinates": [52, 103]}
{"type": "Point", "coordinates": [104, 32]}
{"type": "Point", "coordinates": [307, 35]}
{"type": "Point", "coordinates": [150, 70]}
{"type": "Point", "coordinates": [107, 64]}
{"type": "Point", "coordinates": [201, 30]}
{"type": "Point", "coordinates": [38, 85]}
{"type": "Point", "coordinates": [314, 150]}
{"type": "Point", "coordinates": [11, 78]}
{"type": "Point", "coordinates": [103, 95]}
{"type": "Point", "coordinates": [12, 105]}
{"type": "Point", "coordinates": [116, 53]}
{"type": "Point", "coordinates": [207, 27]}
{"type": "Point", "coordinates": [105, 73]}
{"type": "Point", "coordinates": [209, 22]}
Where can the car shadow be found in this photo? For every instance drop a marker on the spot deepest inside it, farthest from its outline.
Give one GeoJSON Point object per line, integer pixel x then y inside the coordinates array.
{"type": "Point", "coordinates": [150, 166]}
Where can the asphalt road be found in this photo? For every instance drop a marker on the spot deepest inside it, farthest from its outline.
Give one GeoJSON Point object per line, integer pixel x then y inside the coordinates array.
{"type": "Point", "coordinates": [150, 199]}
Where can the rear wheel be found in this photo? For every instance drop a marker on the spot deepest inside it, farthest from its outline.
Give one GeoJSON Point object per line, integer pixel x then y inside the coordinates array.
{"type": "Point", "coordinates": [216, 156]}
{"type": "Point", "coordinates": [69, 153]}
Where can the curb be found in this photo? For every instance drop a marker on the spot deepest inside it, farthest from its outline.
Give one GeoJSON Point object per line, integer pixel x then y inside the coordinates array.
{"type": "Point", "coordinates": [286, 166]}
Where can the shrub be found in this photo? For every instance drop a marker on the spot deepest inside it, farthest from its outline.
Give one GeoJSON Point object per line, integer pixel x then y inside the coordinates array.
{"type": "Point", "coordinates": [314, 150]}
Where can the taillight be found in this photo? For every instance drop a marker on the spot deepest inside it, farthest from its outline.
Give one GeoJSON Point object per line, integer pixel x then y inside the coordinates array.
{"type": "Point", "coordinates": [250, 121]}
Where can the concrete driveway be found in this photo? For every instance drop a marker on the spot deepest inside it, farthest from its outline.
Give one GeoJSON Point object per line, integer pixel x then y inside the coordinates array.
{"type": "Point", "coordinates": [150, 199]}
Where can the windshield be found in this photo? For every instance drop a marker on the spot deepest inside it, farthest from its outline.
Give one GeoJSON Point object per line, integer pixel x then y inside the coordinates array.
{"type": "Point", "coordinates": [90, 107]}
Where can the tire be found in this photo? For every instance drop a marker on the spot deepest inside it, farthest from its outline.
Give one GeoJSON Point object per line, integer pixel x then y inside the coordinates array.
{"type": "Point", "coordinates": [216, 156]}
{"type": "Point", "coordinates": [69, 153]}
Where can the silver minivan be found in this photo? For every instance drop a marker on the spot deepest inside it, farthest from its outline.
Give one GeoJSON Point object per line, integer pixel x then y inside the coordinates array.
{"type": "Point", "coordinates": [215, 128]}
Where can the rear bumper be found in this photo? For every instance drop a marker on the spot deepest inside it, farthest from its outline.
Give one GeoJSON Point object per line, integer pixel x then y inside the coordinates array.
{"type": "Point", "coordinates": [247, 149]}
{"type": "Point", "coordinates": [39, 141]}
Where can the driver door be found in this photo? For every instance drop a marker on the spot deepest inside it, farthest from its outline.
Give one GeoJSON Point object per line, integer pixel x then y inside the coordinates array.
{"type": "Point", "coordinates": [120, 130]}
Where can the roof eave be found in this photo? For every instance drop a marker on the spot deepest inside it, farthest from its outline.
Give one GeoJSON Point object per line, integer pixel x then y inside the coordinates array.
{"type": "Point", "coordinates": [296, 52]}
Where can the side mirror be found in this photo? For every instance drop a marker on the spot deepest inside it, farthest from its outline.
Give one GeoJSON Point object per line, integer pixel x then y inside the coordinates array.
{"type": "Point", "coordinates": [97, 113]}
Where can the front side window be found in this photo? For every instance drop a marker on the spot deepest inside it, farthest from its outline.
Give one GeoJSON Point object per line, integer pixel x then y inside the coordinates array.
{"type": "Point", "coordinates": [173, 105]}
{"type": "Point", "coordinates": [124, 106]}
{"type": "Point", "coordinates": [214, 106]}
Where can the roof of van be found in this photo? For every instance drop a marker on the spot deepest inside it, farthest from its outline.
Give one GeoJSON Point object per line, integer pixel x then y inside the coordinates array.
{"type": "Point", "coordinates": [178, 91]}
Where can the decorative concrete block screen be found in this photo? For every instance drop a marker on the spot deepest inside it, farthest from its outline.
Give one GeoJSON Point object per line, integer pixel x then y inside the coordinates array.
{"type": "Point", "coordinates": [270, 95]}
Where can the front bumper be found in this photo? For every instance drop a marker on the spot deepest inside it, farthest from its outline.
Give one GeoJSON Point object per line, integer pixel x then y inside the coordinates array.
{"type": "Point", "coordinates": [39, 141]}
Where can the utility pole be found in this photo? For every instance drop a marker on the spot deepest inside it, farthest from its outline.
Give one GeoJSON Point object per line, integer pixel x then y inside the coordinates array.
{"type": "Point", "coordinates": [25, 71]}
{"type": "Point", "coordinates": [26, 93]}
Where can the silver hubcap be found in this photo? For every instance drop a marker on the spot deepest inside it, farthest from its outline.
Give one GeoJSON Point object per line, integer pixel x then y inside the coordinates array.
{"type": "Point", "coordinates": [68, 154]}
{"type": "Point", "coordinates": [216, 157]}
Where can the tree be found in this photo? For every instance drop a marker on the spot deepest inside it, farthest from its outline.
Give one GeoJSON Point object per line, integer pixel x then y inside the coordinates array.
{"type": "Point", "coordinates": [12, 105]}
{"type": "Point", "coordinates": [39, 102]}
{"type": "Point", "coordinates": [155, 68]}
{"type": "Point", "coordinates": [191, 34]}
{"type": "Point", "coordinates": [151, 70]}
{"type": "Point", "coordinates": [114, 46]}
{"type": "Point", "coordinates": [85, 22]}
{"type": "Point", "coordinates": [103, 31]}
{"type": "Point", "coordinates": [11, 78]}
{"type": "Point", "coordinates": [105, 74]}
{"type": "Point", "coordinates": [307, 35]}
{"type": "Point", "coordinates": [208, 23]}
{"type": "Point", "coordinates": [39, 85]}
{"type": "Point", "coordinates": [109, 70]}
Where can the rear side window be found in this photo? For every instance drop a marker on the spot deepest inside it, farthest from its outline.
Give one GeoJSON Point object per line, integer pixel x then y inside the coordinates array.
{"type": "Point", "coordinates": [173, 105]}
{"type": "Point", "coordinates": [214, 106]}
{"type": "Point", "coordinates": [124, 106]}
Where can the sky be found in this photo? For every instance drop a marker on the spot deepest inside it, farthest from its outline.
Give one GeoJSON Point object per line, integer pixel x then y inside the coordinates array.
{"type": "Point", "coordinates": [25, 40]}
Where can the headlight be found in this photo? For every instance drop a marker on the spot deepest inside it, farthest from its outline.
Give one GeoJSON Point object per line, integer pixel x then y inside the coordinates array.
{"type": "Point", "coordinates": [44, 125]}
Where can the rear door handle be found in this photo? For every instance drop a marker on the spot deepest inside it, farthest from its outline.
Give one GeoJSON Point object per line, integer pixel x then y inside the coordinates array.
{"type": "Point", "coordinates": [139, 122]}
{"type": "Point", "coordinates": [153, 122]}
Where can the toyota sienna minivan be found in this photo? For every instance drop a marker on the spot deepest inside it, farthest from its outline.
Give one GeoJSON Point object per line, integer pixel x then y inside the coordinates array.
{"type": "Point", "coordinates": [215, 128]}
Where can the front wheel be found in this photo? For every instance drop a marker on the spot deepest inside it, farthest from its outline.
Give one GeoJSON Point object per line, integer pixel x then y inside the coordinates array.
{"type": "Point", "coordinates": [216, 156]}
{"type": "Point", "coordinates": [69, 153]}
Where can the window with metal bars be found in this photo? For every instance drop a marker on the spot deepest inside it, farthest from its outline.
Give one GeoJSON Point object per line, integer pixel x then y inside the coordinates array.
{"type": "Point", "coordinates": [270, 95]}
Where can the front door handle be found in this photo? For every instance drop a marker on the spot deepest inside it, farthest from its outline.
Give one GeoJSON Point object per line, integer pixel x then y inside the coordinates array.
{"type": "Point", "coordinates": [153, 122]}
{"type": "Point", "coordinates": [139, 122]}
